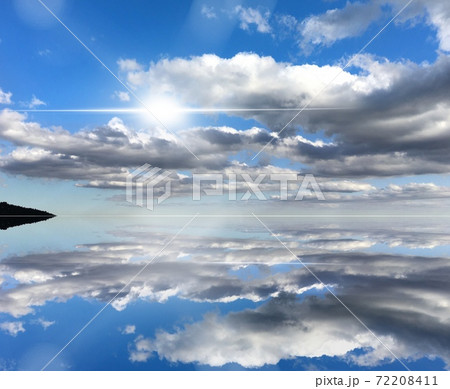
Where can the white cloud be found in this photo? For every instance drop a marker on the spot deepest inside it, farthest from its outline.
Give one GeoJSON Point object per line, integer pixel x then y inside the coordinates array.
{"type": "Point", "coordinates": [355, 17]}
{"type": "Point", "coordinates": [287, 26]}
{"type": "Point", "coordinates": [128, 65]}
{"type": "Point", "coordinates": [249, 16]}
{"type": "Point", "coordinates": [122, 96]}
{"type": "Point", "coordinates": [439, 17]}
{"type": "Point", "coordinates": [12, 327]}
{"type": "Point", "coordinates": [44, 52]}
{"type": "Point", "coordinates": [5, 97]}
{"type": "Point", "coordinates": [411, 191]}
{"type": "Point", "coordinates": [207, 277]}
{"type": "Point", "coordinates": [243, 81]}
{"type": "Point", "coordinates": [419, 93]}
{"type": "Point", "coordinates": [35, 102]}
{"type": "Point", "coordinates": [31, 277]}
{"type": "Point", "coordinates": [129, 329]}
{"type": "Point", "coordinates": [393, 111]}
{"type": "Point", "coordinates": [285, 328]}
{"type": "Point", "coordinates": [141, 350]}
{"type": "Point", "coordinates": [346, 186]}
{"type": "Point", "coordinates": [208, 12]}
{"type": "Point", "coordinates": [341, 244]}
{"type": "Point", "coordinates": [45, 323]}
{"type": "Point", "coordinates": [337, 24]}
{"type": "Point", "coordinates": [216, 341]}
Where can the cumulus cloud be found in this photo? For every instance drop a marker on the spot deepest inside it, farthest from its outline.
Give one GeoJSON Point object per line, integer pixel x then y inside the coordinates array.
{"type": "Point", "coordinates": [435, 13]}
{"type": "Point", "coordinates": [103, 155]}
{"type": "Point", "coordinates": [84, 154]}
{"type": "Point", "coordinates": [141, 350]}
{"type": "Point", "coordinates": [102, 158]}
{"type": "Point", "coordinates": [285, 328]}
{"type": "Point", "coordinates": [355, 17]}
{"type": "Point", "coordinates": [5, 97]}
{"type": "Point", "coordinates": [337, 24]}
{"type": "Point", "coordinates": [280, 329]}
{"type": "Point", "coordinates": [12, 327]}
{"type": "Point", "coordinates": [392, 111]}
{"type": "Point", "coordinates": [249, 16]}
{"type": "Point", "coordinates": [439, 16]}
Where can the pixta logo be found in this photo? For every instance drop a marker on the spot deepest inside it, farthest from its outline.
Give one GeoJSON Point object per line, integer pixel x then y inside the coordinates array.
{"type": "Point", "coordinates": [148, 185]}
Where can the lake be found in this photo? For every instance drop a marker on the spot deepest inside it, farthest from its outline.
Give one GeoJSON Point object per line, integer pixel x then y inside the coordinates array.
{"type": "Point", "coordinates": [239, 292]}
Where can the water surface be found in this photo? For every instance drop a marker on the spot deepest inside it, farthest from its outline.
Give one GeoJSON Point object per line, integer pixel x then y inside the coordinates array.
{"type": "Point", "coordinates": [226, 293]}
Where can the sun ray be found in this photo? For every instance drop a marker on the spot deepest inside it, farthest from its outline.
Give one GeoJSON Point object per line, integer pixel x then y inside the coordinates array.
{"type": "Point", "coordinates": [177, 110]}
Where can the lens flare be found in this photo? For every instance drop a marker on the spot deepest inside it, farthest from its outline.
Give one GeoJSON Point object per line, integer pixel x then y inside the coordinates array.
{"type": "Point", "coordinates": [165, 109]}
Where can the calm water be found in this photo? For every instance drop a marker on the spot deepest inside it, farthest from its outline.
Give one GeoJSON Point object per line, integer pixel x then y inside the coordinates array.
{"type": "Point", "coordinates": [224, 293]}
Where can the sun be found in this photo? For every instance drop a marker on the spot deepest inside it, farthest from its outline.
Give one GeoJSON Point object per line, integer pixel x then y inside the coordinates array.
{"type": "Point", "coordinates": [165, 110]}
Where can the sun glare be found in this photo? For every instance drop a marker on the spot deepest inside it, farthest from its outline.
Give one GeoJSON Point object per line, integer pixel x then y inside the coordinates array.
{"type": "Point", "coordinates": [166, 110]}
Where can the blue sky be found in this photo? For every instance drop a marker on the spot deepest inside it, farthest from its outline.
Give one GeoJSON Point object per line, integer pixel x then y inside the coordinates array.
{"type": "Point", "coordinates": [164, 52]}
{"type": "Point", "coordinates": [224, 80]}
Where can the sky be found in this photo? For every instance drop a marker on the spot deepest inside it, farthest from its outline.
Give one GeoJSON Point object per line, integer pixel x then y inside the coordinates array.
{"type": "Point", "coordinates": [353, 95]}
{"type": "Point", "coordinates": [372, 78]}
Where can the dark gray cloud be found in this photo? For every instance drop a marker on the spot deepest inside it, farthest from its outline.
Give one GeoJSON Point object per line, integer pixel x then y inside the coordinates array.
{"type": "Point", "coordinates": [101, 158]}
{"type": "Point", "coordinates": [395, 122]}
{"type": "Point", "coordinates": [98, 270]}
{"type": "Point", "coordinates": [412, 325]}
{"type": "Point", "coordinates": [104, 156]}
{"type": "Point", "coordinates": [390, 112]}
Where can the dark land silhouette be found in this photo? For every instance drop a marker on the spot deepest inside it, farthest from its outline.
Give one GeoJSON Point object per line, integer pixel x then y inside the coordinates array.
{"type": "Point", "coordinates": [14, 215]}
